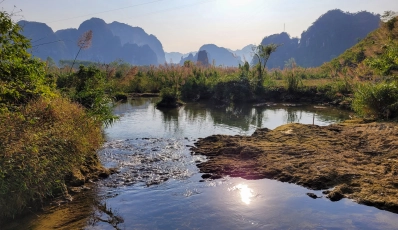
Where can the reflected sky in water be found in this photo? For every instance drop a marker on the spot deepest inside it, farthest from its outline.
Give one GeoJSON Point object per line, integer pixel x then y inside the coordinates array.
{"type": "Point", "coordinates": [246, 193]}
{"type": "Point", "coordinates": [140, 118]}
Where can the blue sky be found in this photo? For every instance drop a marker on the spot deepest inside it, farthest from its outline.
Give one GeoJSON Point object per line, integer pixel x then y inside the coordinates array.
{"type": "Point", "coordinates": [184, 26]}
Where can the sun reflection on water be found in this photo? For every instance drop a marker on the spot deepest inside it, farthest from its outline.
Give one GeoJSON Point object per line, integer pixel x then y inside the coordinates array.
{"type": "Point", "coordinates": [246, 193]}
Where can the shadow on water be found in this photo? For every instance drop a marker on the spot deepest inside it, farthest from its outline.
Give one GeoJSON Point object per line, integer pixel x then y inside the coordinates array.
{"type": "Point", "coordinates": [86, 209]}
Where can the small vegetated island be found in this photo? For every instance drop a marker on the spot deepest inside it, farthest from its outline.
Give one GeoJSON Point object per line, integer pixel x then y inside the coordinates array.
{"type": "Point", "coordinates": [51, 118]}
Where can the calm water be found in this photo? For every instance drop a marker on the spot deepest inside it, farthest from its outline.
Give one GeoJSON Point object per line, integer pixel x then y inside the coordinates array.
{"type": "Point", "coordinates": [158, 185]}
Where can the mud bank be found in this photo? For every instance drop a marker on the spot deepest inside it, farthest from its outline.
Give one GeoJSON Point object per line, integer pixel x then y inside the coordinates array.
{"type": "Point", "coordinates": [352, 160]}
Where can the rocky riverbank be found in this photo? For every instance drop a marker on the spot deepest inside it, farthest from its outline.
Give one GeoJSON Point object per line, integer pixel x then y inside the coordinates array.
{"type": "Point", "coordinates": [348, 160]}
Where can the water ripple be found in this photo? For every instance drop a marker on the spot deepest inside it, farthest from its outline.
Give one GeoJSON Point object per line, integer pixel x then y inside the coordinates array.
{"type": "Point", "coordinates": [149, 161]}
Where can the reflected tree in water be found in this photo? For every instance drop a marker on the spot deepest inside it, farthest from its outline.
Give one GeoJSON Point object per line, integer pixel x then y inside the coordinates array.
{"type": "Point", "coordinates": [170, 119]}
{"type": "Point", "coordinates": [105, 214]}
{"type": "Point", "coordinates": [258, 116]}
{"type": "Point", "coordinates": [293, 115]}
{"type": "Point", "coordinates": [232, 115]}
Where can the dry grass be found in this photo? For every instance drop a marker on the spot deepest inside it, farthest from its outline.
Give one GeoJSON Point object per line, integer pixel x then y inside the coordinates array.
{"type": "Point", "coordinates": [39, 146]}
{"type": "Point", "coordinates": [361, 160]}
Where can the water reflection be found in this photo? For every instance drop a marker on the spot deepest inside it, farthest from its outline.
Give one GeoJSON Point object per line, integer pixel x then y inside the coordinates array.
{"type": "Point", "coordinates": [170, 119]}
{"type": "Point", "coordinates": [246, 193]}
{"type": "Point", "coordinates": [293, 116]}
{"type": "Point", "coordinates": [87, 208]}
{"type": "Point", "coordinates": [143, 120]}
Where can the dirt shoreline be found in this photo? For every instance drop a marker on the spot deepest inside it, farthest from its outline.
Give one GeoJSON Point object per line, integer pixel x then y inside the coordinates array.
{"type": "Point", "coordinates": [352, 160]}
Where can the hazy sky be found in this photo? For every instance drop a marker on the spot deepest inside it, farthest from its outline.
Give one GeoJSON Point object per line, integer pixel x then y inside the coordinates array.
{"type": "Point", "coordinates": [184, 26]}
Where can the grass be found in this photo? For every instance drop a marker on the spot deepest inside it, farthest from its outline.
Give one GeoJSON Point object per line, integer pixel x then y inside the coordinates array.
{"type": "Point", "coordinates": [39, 146]}
{"type": "Point", "coordinates": [376, 100]}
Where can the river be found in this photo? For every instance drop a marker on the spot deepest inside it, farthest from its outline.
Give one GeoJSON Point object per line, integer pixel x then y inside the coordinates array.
{"type": "Point", "coordinates": [159, 186]}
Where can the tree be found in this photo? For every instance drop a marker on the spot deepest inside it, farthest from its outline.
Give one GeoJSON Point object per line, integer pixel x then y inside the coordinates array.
{"type": "Point", "coordinates": [263, 53]}
{"type": "Point", "coordinates": [22, 78]}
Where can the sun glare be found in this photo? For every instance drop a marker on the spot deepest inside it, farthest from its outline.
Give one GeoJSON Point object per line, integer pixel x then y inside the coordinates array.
{"type": "Point", "coordinates": [246, 193]}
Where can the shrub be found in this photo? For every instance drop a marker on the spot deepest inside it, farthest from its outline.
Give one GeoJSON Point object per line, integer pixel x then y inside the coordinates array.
{"type": "Point", "coordinates": [21, 77]}
{"type": "Point", "coordinates": [39, 146]}
{"type": "Point", "coordinates": [234, 91]}
{"type": "Point", "coordinates": [293, 82]}
{"type": "Point", "coordinates": [89, 91]}
{"type": "Point", "coordinates": [386, 62]}
{"type": "Point", "coordinates": [170, 98]}
{"type": "Point", "coordinates": [379, 100]}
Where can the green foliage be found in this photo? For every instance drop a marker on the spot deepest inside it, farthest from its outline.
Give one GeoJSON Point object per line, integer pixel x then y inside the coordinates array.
{"type": "Point", "coordinates": [169, 95]}
{"type": "Point", "coordinates": [376, 100]}
{"type": "Point", "coordinates": [90, 92]}
{"type": "Point", "coordinates": [21, 77]}
{"type": "Point", "coordinates": [263, 53]}
{"type": "Point", "coordinates": [170, 98]}
{"type": "Point", "coordinates": [196, 86]}
{"type": "Point", "coordinates": [234, 91]}
{"type": "Point", "coordinates": [42, 137]}
{"type": "Point", "coordinates": [293, 82]}
{"type": "Point", "coordinates": [386, 62]}
{"type": "Point", "coordinates": [87, 87]}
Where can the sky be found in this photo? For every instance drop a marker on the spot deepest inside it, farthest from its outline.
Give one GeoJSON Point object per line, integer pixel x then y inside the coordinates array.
{"type": "Point", "coordinates": [184, 26]}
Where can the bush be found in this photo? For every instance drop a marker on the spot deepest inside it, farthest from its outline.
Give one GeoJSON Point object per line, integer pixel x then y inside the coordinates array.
{"type": "Point", "coordinates": [378, 101]}
{"type": "Point", "coordinates": [170, 98]}
{"type": "Point", "coordinates": [234, 91]}
{"type": "Point", "coordinates": [293, 82]}
{"type": "Point", "coordinates": [39, 146]}
{"type": "Point", "coordinates": [385, 63]}
{"type": "Point", "coordinates": [88, 89]}
{"type": "Point", "coordinates": [21, 77]}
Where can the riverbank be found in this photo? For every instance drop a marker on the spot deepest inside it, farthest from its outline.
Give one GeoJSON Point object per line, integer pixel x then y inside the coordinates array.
{"type": "Point", "coordinates": [350, 160]}
{"type": "Point", "coordinates": [47, 148]}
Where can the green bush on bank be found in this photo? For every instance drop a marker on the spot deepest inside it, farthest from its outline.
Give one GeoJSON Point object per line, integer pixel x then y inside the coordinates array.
{"type": "Point", "coordinates": [21, 77]}
{"type": "Point", "coordinates": [376, 100]}
{"type": "Point", "coordinates": [87, 87]}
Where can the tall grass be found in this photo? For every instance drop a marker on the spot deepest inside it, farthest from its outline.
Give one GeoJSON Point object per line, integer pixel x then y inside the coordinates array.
{"type": "Point", "coordinates": [39, 146]}
{"type": "Point", "coordinates": [376, 100]}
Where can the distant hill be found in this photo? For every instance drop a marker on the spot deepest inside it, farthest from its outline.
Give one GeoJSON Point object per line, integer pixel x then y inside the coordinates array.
{"type": "Point", "coordinates": [45, 43]}
{"type": "Point", "coordinates": [287, 50]}
{"type": "Point", "coordinates": [173, 57]}
{"type": "Point", "coordinates": [136, 35]}
{"type": "Point", "coordinates": [329, 36]}
{"type": "Point", "coordinates": [332, 34]}
{"type": "Point", "coordinates": [216, 55]}
{"type": "Point", "coordinates": [110, 42]}
{"type": "Point", "coordinates": [245, 53]}
{"type": "Point", "coordinates": [374, 57]}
